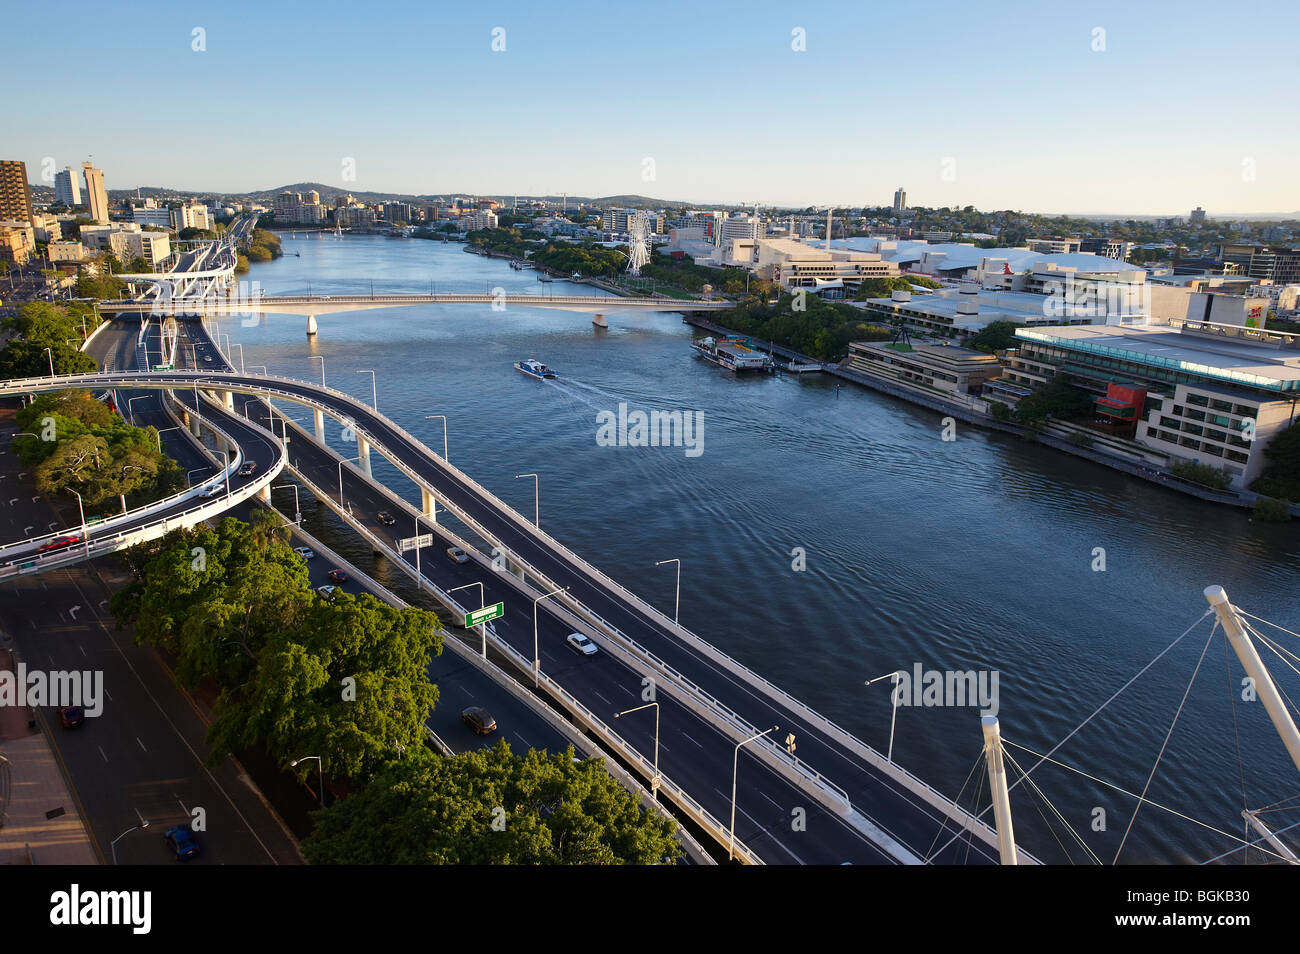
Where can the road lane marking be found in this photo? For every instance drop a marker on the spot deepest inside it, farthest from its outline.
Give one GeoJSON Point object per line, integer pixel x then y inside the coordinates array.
{"type": "Point", "coordinates": [692, 738]}
{"type": "Point", "coordinates": [141, 744]}
{"type": "Point", "coordinates": [101, 752]}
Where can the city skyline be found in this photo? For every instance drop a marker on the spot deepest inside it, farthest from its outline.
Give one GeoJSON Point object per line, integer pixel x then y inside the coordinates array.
{"type": "Point", "coordinates": [736, 107]}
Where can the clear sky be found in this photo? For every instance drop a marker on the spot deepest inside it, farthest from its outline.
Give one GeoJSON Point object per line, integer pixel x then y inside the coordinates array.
{"type": "Point", "coordinates": [996, 105]}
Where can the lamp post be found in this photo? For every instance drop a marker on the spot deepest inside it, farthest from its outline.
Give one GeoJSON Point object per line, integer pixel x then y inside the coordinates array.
{"type": "Point", "coordinates": [51, 355]}
{"type": "Point", "coordinates": [341, 463]}
{"type": "Point", "coordinates": [297, 514]}
{"type": "Point", "coordinates": [537, 656]}
{"type": "Point", "coordinates": [677, 601]}
{"type": "Point", "coordinates": [321, 359]}
{"type": "Point", "coordinates": [85, 537]}
{"type": "Point", "coordinates": [482, 602]}
{"type": "Point", "coordinates": [262, 366]}
{"type": "Point", "coordinates": [444, 434]}
{"type": "Point", "coordinates": [240, 346]}
{"type": "Point", "coordinates": [113, 844]}
{"type": "Point", "coordinates": [159, 434]}
{"type": "Point", "coordinates": [893, 715]}
{"type": "Point", "coordinates": [654, 781]}
{"type": "Point", "coordinates": [537, 492]}
{"type": "Point", "coordinates": [735, 768]}
{"type": "Point", "coordinates": [320, 767]}
{"type": "Point", "coordinates": [374, 396]}
{"type": "Point", "coordinates": [129, 410]}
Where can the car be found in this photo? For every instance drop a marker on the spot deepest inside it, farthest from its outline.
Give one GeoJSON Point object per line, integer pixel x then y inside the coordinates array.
{"type": "Point", "coordinates": [385, 518]}
{"type": "Point", "coordinates": [210, 492]}
{"type": "Point", "coordinates": [183, 842]}
{"type": "Point", "coordinates": [338, 576]}
{"type": "Point", "coordinates": [307, 553]}
{"type": "Point", "coordinates": [207, 358]}
{"type": "Point", "coordinates": [248, 468]}
{"type": "Point", "coordinates": [59, 543]}
{"type": "Point", "coordinates": [457, 555]}
{"type": "Point", "coordinates": [581, 644]}
{"type": "Point", "coordinates": [71, 716]}
{"type": "Point", "coordinates": [479, 720]}
{"type": "Point", "coordinates": [327, 591]}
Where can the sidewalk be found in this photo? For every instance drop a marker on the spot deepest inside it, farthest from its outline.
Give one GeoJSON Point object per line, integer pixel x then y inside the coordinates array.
{"type": "Point", "coordinates": [41, 822]}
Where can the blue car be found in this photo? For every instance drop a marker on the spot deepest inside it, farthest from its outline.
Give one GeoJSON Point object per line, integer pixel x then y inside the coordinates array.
{"type": "Point", "coordinates": [183, 841]}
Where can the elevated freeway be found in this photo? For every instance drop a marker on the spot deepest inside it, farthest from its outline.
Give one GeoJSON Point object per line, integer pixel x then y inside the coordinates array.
{"type": "Point", "coordinates": [867, 809]}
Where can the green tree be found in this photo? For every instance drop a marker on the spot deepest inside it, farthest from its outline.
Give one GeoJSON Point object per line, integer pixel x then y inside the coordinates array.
{"type": "Point", "coordinates": [1281, 476]}
{"type": "Point", "coordinates": [995, 336]}
{"type": "Point", "coordinates": [1056, 399]}
{"type": "Point", "coordinates": [426, 809]}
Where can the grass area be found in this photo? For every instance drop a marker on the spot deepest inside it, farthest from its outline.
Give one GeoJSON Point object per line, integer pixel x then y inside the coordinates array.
{"type": "Point", "coordinates": [901, 347]}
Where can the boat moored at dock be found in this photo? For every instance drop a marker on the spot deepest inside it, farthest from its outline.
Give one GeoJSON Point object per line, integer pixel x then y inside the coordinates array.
{"type": "Point", "coordinates": [734, 354]}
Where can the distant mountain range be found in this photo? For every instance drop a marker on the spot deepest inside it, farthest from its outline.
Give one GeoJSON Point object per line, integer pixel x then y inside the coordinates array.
{"type": "Point", "coordinates": [328, 194]}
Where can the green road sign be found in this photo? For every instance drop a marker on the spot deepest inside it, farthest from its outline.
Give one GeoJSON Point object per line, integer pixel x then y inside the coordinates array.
{"type": "Point", "coordinates": [495, 611]}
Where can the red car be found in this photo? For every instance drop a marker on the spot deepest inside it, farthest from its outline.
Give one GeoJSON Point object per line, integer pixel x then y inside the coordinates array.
{"type": "Point", "coordinates": [338, 576]}
{"type": "Point", "coordinates": [72, 716]}
{"type": "Point", "coordinates": [60, 543]}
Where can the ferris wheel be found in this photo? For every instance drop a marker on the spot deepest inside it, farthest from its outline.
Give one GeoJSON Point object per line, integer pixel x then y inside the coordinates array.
{"type": "Point", "coordinates": [638, 246]}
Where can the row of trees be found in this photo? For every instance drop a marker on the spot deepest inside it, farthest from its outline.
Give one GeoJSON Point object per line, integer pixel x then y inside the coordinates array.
{"type": "Point", "coordinates": [1281, 476]}
{"type": "Point", "coordinates": [73, 441]}
{"type": "Point", "coordinates": [346, 678]}
{"type": "Point", "coordinates": [881, 287]}
{"type": "Point", "coordinates": [39, 325]}
{"type": "Point", "coordinates": [805, 323]}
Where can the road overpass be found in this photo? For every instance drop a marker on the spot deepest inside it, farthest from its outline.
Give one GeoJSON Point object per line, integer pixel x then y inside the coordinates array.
{"type": "Point", "coordinates": [838, 777]}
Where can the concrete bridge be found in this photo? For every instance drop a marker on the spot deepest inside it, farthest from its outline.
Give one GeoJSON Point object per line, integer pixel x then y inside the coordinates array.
{"type": "Point", "coordinates": [217, 306]}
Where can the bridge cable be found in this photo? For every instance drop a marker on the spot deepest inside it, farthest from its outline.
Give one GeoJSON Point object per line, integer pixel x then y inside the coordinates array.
{"type": "Point", "coordinates": [1033, 786]}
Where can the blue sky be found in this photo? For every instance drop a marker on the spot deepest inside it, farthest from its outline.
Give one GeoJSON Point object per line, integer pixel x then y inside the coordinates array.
{"type": "Point", "coordinates": [996, 105]}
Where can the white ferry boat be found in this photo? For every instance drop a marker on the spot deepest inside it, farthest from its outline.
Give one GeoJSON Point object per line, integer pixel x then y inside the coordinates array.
{"type": "Point", "coordinates": [535, 368]}
{"type": "Point", "coordinates": [734, 354]}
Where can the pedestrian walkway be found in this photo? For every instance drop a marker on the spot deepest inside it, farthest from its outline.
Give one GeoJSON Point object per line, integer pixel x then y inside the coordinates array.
{"type": "Point", "coordinates": [40, 823]}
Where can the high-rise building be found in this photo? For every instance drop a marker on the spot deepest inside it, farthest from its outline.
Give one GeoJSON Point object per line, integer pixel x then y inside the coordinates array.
{"type": "Point", "coordinates": [15, 199]}
{"type": "Point", "coordinates": [1197, 217]}
{"type": "Point", "coordinates": [900, 200]}
{"type": "Point", "coordinates": [96, 194]}
{"type": "Point", "coordinates": [740, 226]}
{"type": "Point", "coordinates": [67, 187]}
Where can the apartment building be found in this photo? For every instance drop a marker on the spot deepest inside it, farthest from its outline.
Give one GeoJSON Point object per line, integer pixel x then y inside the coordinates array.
{"type": "Point", "coordinates": [96, 193]}
{"type": "Point", "coordinates": [15, 196]}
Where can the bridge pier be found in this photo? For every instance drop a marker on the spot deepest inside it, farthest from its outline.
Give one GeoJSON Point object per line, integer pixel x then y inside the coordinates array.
{"type": "Point", "coordinates": [264, 495]}
{"type": "Point", "coordinates": [228, 398]}
{"type": "Point", "coordinates": [318, 419]}
{"type": "Point", "coordinates": [599, 321]}
{"type": "Point", "coordinates": [363, 454]}
{"type": "Point", "coordinates": [192, 422]}
{"type": "Point", "coordinates": [311, 326]}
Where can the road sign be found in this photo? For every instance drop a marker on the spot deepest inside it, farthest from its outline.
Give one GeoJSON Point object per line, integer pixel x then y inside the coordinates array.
{"type": "Point", "coordinates": [495, 611]}
{"type": "Point", "coordinates": [413, 543]}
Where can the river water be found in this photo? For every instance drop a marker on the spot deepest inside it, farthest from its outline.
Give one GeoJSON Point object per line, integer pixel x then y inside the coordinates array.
{"type": "Point", "coordinates": [980, 553]}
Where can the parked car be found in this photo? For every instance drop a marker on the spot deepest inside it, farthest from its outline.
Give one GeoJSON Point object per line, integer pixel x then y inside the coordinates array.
{"type": "Point", "coordinates": [183, 842]}
{"type": "Point", "coordinates": [59, 543]}
{"type": "Point", "coordinates": [307, 553]}
{"type": "Point", "coordinates": [338, 576]}
{"type": "Point", "coordinates": [479, 720]}
{"type": "Point", "coordinates": [385, 518]}
{"type": "Point", "coordinates": [457, 555]}
{"type": "Point", "coordinates": [72, 716]}
{"type": "Point", "coordinates": [581, 644]}
{"type": "Point", "coordinates": [327, 591]}
{"type": "Point", "coordinates": [248, 468]}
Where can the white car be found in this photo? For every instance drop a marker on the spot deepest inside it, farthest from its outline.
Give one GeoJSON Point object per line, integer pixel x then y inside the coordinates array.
{"type": "Point", "coordinates": [327, 591]}
{"type": "Point", "coordinates": [306, 553]}
{"type": "Point", "coordinates": [457, 555]}
{"type": "Point", "coordinates": [581, 644]}
{"type": "Point", "coordinates": [209, 492]}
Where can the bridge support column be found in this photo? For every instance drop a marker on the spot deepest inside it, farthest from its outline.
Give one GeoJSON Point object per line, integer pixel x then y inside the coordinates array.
{"type": "Point", "coordinates": [429, 505]}
{"type": "Point", "coordinates": [363, 452]}
{"type": "Point", "coordinates": [264, 494]}
{"type": "Point", "coordinates": [311, 326]}
{"type": "Point", "coordinates": [318, 418]}
{"type": "Point", "coordinates": [192, 421]}
{"type": "Point", "coordinates": [228, 397]}
{"type": "Point", "coordinates": [599, 321]}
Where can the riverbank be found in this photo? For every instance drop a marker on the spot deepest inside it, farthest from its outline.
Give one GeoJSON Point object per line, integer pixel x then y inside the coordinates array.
{"type": "Point", "coordinates": [971, 414]}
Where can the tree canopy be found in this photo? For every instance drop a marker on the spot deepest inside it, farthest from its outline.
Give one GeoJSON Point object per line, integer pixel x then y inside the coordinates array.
{"type": "Point", "coordinates": [491, 807]}
{"type": "Point", "coordinates": [995, 336]}
{"type": "Point", "coordinates": [1058, 398]}
{"type": "Point", "coordinates": [1281, 476]}
{"type": "Point", "coordinates": [345, 678]}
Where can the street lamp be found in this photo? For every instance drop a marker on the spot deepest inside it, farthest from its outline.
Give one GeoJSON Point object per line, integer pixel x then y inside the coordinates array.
{"type": "Point", "coordinates": [537, 656]}
{"type": "Point", "coordinates": [654, 781]}
{"type": "Point", "coordinates": [85, 537]}
{"type": "Point", "coordinates": [482, 604]}
{"type": "Point", "coordinates": [159, 434]}
{"type": "Point", "coordinates": [341, 463]}
{"type": "Point", "coordinates": [374, 396]}
{"type": "Point", "coordinates": [129, 410]}
{"type": "Point", "coordinates": [735, 768]}
{"type": "Point", "coordinates": [893, 715]}
{"type": "Point", "coordinates": [321, 358]}
{"type": "Point", "coordinates": [297, 514]}
{"type": "Point", "coordinates": [537, 492]}
{"type": "Point", "coordinates": [320, 767]}
{"type": "Point", "coordinates": [240, 346]}
{"type": "Point", "coordinates": [262, 366]}
{"type": "Point", "coordinates": [51, 354]}
{"type": "Point", "coordinates": [113, 845]}
{"type": "Point", "coordinates": [444, 434]}
{"type": "Point", "coordinates": [677, 602]}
